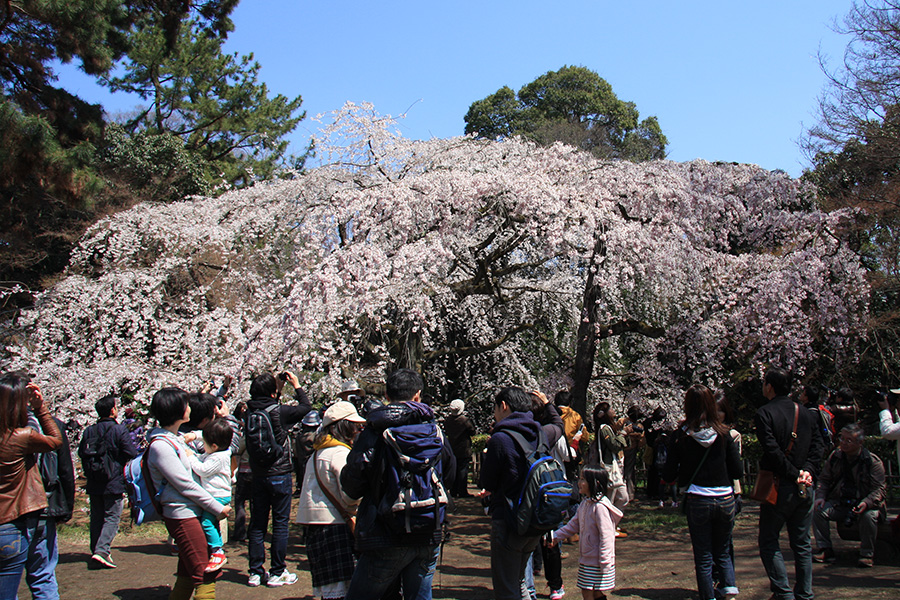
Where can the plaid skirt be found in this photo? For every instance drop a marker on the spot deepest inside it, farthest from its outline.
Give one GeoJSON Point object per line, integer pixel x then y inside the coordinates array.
{"type": "Point", "coordinates": [329, 549]}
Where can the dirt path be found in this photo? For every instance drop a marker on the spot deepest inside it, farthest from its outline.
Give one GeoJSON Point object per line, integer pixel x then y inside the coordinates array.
{"type": "Point", "coordinates": [651, 565]}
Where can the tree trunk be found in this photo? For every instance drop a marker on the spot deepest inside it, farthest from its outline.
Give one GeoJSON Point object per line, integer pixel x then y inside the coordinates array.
{"type": "Point", "coordinates": [586, 341]}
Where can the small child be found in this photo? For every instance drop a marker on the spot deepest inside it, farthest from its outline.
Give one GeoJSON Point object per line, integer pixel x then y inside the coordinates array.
{"type": "Point", "coordinates": [595, 523]}
{"type": "Point", "coordinates": [214, 470]}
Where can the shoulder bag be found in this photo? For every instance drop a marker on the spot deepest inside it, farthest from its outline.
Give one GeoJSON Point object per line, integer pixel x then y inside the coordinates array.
{"type": "Point", "coordinates": [350, 519]}
{"type": "Point", "coordinates": [765, 489]}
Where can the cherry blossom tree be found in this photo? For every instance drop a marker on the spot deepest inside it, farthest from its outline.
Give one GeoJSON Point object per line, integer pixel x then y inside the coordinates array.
{"type": "Point", "coordinates": [480, 263]}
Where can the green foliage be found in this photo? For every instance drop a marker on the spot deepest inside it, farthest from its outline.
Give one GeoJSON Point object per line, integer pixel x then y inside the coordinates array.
{"type": "Point", "coordinates": [159, 166]}
{"type": "Point", "coordinates": [44, 186]}
{"type": "Point", "coordinates": [211, 121]}
{"type": "Point", "coordinates": [573, 105]}
{"type": "Point", "coordinates": [211, 100]}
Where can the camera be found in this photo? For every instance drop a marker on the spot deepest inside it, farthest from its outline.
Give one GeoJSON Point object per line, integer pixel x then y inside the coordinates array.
{"type": "Point", "coordinates": [283, 376]}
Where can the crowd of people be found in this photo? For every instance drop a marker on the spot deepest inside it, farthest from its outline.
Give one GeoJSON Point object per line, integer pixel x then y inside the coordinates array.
{"type": "Point", "coordinates": [374, 480]}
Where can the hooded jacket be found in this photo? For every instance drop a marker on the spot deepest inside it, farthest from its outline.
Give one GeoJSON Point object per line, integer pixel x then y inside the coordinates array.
{"type": "Point", "coordinates": [721, 466]}
{"type": "Point", "coordinates": [503, 468]}
{"type": "Point", "coordinates": [364, 472]}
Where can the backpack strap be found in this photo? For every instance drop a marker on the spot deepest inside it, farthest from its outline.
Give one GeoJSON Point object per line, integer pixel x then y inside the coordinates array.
{"type": "Point", "coordinates": [145, 470]}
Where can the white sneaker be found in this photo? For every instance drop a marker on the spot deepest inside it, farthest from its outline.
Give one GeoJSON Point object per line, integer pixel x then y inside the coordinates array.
{"type": "Point", "coordinates": [254, 580]}
{"type": "Point", "coordinates": [286, 578]}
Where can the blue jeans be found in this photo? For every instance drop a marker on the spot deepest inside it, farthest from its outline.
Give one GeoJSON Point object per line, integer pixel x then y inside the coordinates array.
{"type": "Point", "coordinates": [796, 513]}
{"type": "Point", "coordinates": [210, 523]}
{"type": "Point", "coordinates": [14, 540]}
{"type": "Point", "coordinates": [510, 555]}
{"type": "Point", "coordinates": [711, 522]}
{"type": "Point", "coordinates": [273, 492]}
{"type": "Point", "coordinates": [376, 570]}
{"type": "Point", "coordinates": [43, 555]}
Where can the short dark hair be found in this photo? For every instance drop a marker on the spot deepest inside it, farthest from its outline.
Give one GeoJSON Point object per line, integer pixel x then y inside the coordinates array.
{"type": "Point", "coordinates": [402, 385]}
{"type": "Point", "coordinates": [779, 379]}
{"type": "Point", "coordinates": [168, 404]}
{"type": "Point", "coordinates": [562, 398]}
{"type": "Point", "coordinates": [104, 406]}
{"type": "Point", "coordinates": [597, 479]}
{"type": "Point", "coordinates": [812, 394]}
{"type": "Point", "coordinates": [217, 433]}
{"type": "Point", "coordinates": [855, 430]}
{"type": "Point", "coordinates": [263, 385]}
{"type": "Point", "coordinates": [845, 395]}
{"type": "Point", "coordinates": [203, 407]}
{"type": "Point", "coordinates": [516, 398]}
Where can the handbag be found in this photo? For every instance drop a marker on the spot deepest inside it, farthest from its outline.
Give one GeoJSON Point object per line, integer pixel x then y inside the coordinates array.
{"type": "Point", "coordinates": [765, 489]}
{"type": "Point", "coordinates": [615, 467]}
{"type": "Point", "coordinates": [350, 519]}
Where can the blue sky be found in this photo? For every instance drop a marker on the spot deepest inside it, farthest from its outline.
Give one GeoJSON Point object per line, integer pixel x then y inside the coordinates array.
{"type": "Point", "coordinates": [730, 81]}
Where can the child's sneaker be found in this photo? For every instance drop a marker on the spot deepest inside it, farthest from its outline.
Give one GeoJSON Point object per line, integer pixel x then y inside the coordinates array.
{"type": "Point", "coordinates": [558, 594]}
{"type": "Point", "coordinates": [254, 580]}
{"type": "Point", "coordinates": [286, 578]}
{"type": "Point", "coordinates": [216, 560]}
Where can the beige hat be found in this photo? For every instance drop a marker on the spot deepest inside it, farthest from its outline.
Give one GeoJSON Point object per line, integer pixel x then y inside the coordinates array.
{"type": "Point", "coordinates": [340, 411]}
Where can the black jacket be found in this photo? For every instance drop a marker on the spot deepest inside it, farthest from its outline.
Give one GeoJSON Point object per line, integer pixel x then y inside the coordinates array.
{"type": "Point", "coordinates": [283, 419]}
{"type": "Point", "coordinates": [774, 423]}
{"type": "Point", "coordinates": [364, 472]}
{"type": "Point", "coordinates": [721, 466]}
{"type": "Point", "coordinates": [58, 475]}
{"type": "Point", "coordinates": [121, 449]}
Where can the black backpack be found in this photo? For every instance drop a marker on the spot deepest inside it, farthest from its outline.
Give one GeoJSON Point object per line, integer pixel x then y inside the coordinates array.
{"type": "Point", "coordinates": [97, 459]}
{"type": "Point", "coordinates": [543, 504]}
{"type": "Point", "coordinates": [262, 445]}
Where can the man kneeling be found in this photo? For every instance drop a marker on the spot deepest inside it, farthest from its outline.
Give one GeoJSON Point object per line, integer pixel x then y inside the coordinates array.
{"type": "Point", "coordinates": [850, 490]}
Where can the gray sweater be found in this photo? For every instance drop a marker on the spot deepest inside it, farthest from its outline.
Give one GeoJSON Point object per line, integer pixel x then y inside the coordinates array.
{"type": "Point", "coordinates": [181, 496]}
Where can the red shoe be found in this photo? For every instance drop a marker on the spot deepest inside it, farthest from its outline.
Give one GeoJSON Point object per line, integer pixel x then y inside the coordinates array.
{"type": "Point", "coordinates": [216, 560]}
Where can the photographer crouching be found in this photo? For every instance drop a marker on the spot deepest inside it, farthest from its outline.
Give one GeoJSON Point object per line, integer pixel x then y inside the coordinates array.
{"type": "Point", "coordinates": [850, 490]}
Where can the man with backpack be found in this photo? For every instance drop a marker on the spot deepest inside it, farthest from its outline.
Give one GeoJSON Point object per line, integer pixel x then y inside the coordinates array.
{"type": "Point", "coordinates": [504, 470]}
{"type": "Point", "coordinates": [266, 435]}
{"type": "Point", "coordinates": [401, 465]}
{"type": "Point", "coordinates": [104, 449]}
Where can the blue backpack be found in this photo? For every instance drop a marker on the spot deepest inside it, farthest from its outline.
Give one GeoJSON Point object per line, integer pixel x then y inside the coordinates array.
{"type": "Point", "coordinates": [414, 499]}
{"type": "Point", "coordinates": [544, 502]}
{"type": "Point", "coordinates": [142, 495]}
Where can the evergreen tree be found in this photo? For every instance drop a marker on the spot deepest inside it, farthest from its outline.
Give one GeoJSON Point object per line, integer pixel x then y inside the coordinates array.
{"type": "Point", "coordinates": [575, 106]}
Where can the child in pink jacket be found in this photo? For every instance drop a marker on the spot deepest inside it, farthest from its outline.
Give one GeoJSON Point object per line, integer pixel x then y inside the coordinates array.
{"type": "Point", "coordinates": [595, 523]}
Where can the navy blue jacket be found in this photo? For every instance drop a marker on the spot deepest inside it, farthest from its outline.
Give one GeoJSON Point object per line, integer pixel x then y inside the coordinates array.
{"type": "Point", "coordinates": [364, 472]}
{"type": "Point", "coordinates": [504, 467]}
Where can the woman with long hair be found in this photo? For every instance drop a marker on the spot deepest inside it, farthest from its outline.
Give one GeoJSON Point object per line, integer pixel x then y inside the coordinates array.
{"type": "Point", "coordinates": [324, 509]}
{"type": "Point", "coordinates": [183, 500]}
{"type": "Point", "coordinates": [22, 494]}
{"type": "Point", "coordinates": [605, 451]}
{"type": "Point", "coordinates": [705, 460]}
